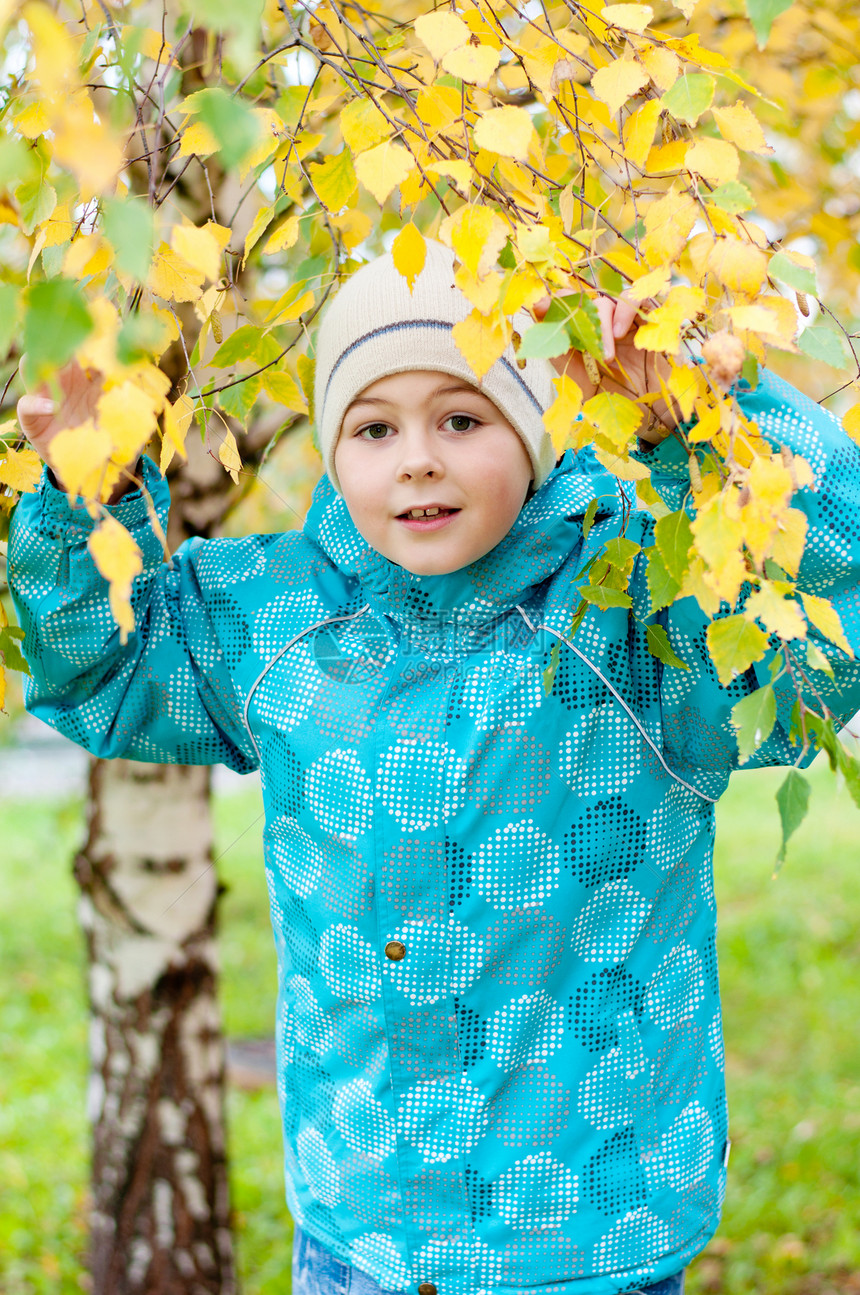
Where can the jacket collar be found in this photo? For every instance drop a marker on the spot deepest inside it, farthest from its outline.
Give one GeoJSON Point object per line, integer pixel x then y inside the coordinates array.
{"type": "Point", "coordinates": [547, 531]}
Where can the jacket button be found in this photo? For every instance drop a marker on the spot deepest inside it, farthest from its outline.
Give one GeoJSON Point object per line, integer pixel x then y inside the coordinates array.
{"type": "Point", "coordinates": [396, 951]}
{"type": "Point", "coordinates": [426, 1288]}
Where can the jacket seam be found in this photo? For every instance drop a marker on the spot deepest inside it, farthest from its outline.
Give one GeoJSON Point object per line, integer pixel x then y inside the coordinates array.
{"type": "Point", "coordinates": [711, 800]}
{"type": "Point", "coordinates": [329, 620]}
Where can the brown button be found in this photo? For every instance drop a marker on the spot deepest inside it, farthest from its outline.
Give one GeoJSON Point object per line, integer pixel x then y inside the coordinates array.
{"type": "Point", "coordinates": [396, 952]}
{"type": "Point", "coordinates": [426, 1288]}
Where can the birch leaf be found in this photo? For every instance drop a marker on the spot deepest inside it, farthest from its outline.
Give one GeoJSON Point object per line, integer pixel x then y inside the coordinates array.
{"type": "Point", "coordinates": [628, 17]}
{"type": "Point", "coordinates": [334, 180]}
{"type": "Point", "coordinates": [825, 618]}
{"type": "Point", "coordinates": [734, 644]}
{"type": "Point", "coordinates": [713, 159]}
{"type": "Point", "coordinates": [20, 470]}
{"type": "Point", "coordinates": [507, 131]}
{"type": "Point", "coordinates": [201, 248]}
{"type": "Point", "coordinates": [409, 252]}
{"type": "Point", "coordinates": [472, 63]}
{"type": "Point", "coordinates": [613, 416]}
{"type": "Point", "coordinates": [480, 340]}
{"type": "Point", "coordinates": [363, 125]}
{"type": "Point", "coordinates": [564, 410]}
{"type": "Point", "coordinates": [618, 82]}
{"type": "Point", "coordinates": [440, 32]}
{"type": "Point", "coordinates": [690, 96]}
{"type": "Point", "coordinates": [119, 560]}
{"type": "Point", "coordinates": [778, 614]}
{"type": "Point", "coordinates": [176, 420]}
{"type": "Point", "coordinates": [382, 168]}
{"type": "Point", "coordinates": [228, 453]}
{"type": "Point", "coordinates": [741, 127]}
{"type": "Point", "coordinates": [173, 278]}
{"type": "Point", "coordinates": [284, 389]}
{"type": "Point", "coordinates": [753, 718]}
{"type": "Point", "coordinates": [639, 132]}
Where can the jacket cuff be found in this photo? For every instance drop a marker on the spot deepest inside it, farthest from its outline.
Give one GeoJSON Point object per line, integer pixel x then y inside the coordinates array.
{"type": "Point", "coordinates": [62, 516]}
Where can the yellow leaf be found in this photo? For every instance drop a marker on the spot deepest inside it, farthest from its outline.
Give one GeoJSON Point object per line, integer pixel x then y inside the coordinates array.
{"type": "Point", "coordinates": [176, 419]}
{"type": "Point", "coordinates": [649, 284]}
{"type": "Point", "coordinates": [778, 614]}
{"type": "Point", "coordinates": [686, 7]}
{"type": "Point", "coordinates": [507, 131]}
{"type": "Point", "coordinates": [20, 470]}
{"type": "Point", "coordinates": [409, 252]}
{"type": "Point", "coordinates": [740, 126]}
{"type": "Point", "coordinates": [851, 423]}
{"type": "Point", "coordinates": [714, 160]}
{"type": "Point", "coordinates": [197, 139]}
{"type": "Point", "coordinates": [128, 415]}
{"type": "Point", "coordinates": [770, 488]}
{"type": "Point", "coordinates": [477, 235]}
{"type": "Point", "coordinates": [618, 82]}
{"type": "Point", "coordinates": [483, 294]}
{"type": "Point", "coordinates": [259, 225]}
{"type": "Point", "coordinates": [334, 180]}
{"type": "Point", "coordinates": [668, 222]}
{"type": "Point", "coordinates": [639, 132]}
{"type": "Point", "coordinates": [524, 287]}
{"type": "Point", "coordinates": [684, 383]}
{"type": "Point", "coordinates": [32, 121]}
{"type": "Point", "coordinates": [119, 560]}
{"type": "Point", "coordinates": [283, 389]}
{"type": "Point", "coordinates": [472, 63]}
{"type": "Point", "coordinates": [381, 169]}
{"type": "Point", "coordinates": [171, 277]}
{"type": "Point", "coordinates": [663, 66]}
{"type": "Point", "coordinates": [290, 306]}
{"type": "Point", "coordinates": [79, 457]}
{"type": "Point", "coordinates": [662, 329]}
{"type": "Point", "coordinates": [480, 340]}
{"type": "Point", "coordinates": [788, 542]}
{"type": "Point", "coordinates": [437, 107]}
{"type": "Point", "coordinates": [271, 131]}
{"type": "Point", "coordinates": [89, 255]}
{"type": "Point", "coordinates": [353, 226]}
{"type": "Point", "coordinates": [734, 644]}
{"type": "Point", "coordinates": [458, 171]}
{"type": "Point", "coordinates": [363, 125]}
{"type": "Point", "coordinates": [825, 618]}
{"type": "Point", "coordinates": [717, 532]}
{"type": "Point", "coordinates": [201, 248]}
{"type": "Point", "coordinates": [285, 236]}
{"type": "Point", "coordinates": [738, 265]}
{"type": "Point", "coordinates": [228, 453]}
{"type": "Point", "coordinates": [59, 227]}
{"type": "Point", "coordinates": [629, 17]}
{"type": "Point", "coordinates": [440, 32]}
{"type": "Point", "coordinates": [613, 416]}
{"type": "Point", "coordinates": [564, 410]}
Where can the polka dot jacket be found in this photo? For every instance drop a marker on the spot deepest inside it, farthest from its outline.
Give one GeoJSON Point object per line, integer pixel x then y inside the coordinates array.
{"type": "Point", "coordinates": [499, 1039]}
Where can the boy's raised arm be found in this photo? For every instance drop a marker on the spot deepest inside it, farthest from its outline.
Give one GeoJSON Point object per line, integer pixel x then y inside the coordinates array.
{"type": "Point", "coordinates": [166, 695]}
{"type": "Point", "coordinates": [696, 706]}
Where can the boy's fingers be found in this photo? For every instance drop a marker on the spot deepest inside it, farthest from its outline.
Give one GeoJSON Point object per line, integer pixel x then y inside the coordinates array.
{"type": "Point", "coordinates": [34, 413]}
{"type": "Point", "coordinates": [606, 311]}
{"type": "Point", "coordinates": [625, 313]}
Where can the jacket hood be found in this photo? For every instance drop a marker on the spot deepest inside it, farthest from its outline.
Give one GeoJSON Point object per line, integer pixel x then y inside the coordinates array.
{"type": "Point", "coordinates": [547, 530]}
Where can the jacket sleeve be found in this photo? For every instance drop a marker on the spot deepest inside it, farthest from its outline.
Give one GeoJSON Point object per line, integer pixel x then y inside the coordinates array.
{"type": "Point", "coordinates": [166, 695]}
{"type": "Point", "coordinates": [697, 729]}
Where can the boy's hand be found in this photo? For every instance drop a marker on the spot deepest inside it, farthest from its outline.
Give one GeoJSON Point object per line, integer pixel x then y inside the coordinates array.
{"type": "Point", "coordinates": [624, 369]}
{"type": "Point", "coordinates": [41, 417]}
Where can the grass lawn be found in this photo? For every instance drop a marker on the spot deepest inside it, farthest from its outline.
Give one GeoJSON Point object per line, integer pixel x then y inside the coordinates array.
{"type": "Point", "coordinates": [789, 952]}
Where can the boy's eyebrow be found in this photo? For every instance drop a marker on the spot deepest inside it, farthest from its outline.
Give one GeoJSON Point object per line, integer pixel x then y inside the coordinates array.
{"type": "Point", "coordinates": [460, 388]}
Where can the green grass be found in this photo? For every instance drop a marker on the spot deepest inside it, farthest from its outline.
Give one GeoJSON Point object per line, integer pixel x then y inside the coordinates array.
{"type": "Point", "coordinates": [789, 954]}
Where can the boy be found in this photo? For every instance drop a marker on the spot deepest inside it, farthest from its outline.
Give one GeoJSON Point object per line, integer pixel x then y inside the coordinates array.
{"type": "Point", "coordinates": [499, 1039]}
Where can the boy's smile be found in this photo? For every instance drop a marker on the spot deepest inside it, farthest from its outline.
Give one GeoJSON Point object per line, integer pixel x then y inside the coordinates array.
{"type": "Point", "coordinates": [431, 471]}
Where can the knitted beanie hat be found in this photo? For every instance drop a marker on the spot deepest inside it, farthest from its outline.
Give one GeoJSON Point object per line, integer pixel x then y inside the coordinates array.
{"type": "Point", "coordinates": [375, 326]}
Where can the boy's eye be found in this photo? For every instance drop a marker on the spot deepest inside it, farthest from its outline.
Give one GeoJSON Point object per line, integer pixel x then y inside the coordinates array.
{"type": "Point", "coordinates": [461, 422]}
{"type": "Point", "coordinates": [375, 431]}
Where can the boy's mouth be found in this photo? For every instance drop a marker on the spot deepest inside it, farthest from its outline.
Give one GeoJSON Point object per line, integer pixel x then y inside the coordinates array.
{"type": "Point", "coordinates": [431, 518]}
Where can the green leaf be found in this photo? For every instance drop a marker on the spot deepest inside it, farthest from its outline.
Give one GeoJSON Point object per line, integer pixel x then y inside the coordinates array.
{"type": "Point", "coordinates": [11, 653]}
{"type": "Point", "coordinates": [823, 343]}
{"type": "Point", "coordinates": [588, 519]}
{"type": "Point", "coordinates": [239, 400]}
{"type": "Point", "coordinates": [583, 322]}
{"type": "Point", "coordinates": [230, 121]}
{"type": "Point", "coordinates": [816, 660]}
{"type": "Point", "coordinates": [603, 597]}
{"type": "Point", "coordinates": [657, 642]}
{"type": "Point", "coordinates": [661, 585]}
{"type": "Point", "coordinates": [690, 96]}
{"type": "Point", "coordinates": [734, 643]}
{"type": "Point", "coordinates": [130, 230]}
{"type": "Point", "coordinates": [545, 341]}
{"type": "Point", "coordinates": [762, 14]}
{"type": "Point", "coordinates": [732, 197]}
{"type": "Point", "coordinates": [10, 297]}
{"type": "Point", "coordinates": [849, 767]}
{"type": "Point", "coordinates": [549, 672]}
{"type": "Point", "coordinates": [55, 323]}
{"type": "Point", "coordinates": [291, 104]}
{"type": "Point", "coordinates": [36, 200]}
{"type": "Point", "coordinates": [787, 271]}
{"type": "Point", "coordinates": [753, 718]}
{"type": "Point", "coordinates": [749, 370]}
{"type": "Point", "coordinates": [619, 551]}
{"type": "Point", "coordinates": [674, 538]}
{"type": "Point", "coordinates": [246, 343]}
{"type": "Point", "coordinates": [793, 801]}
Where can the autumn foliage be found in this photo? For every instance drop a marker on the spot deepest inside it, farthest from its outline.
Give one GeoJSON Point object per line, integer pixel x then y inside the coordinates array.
{"type": "Point", "coordinates": [686, 155]}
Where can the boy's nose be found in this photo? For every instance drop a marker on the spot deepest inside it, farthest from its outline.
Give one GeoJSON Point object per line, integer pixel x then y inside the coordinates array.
{"type": "Point", "coordinates": [419, 459]}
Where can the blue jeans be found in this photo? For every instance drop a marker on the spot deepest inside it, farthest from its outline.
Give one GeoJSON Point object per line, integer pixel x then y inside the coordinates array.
{"type": "Point", "coordinates": [316, 1271]}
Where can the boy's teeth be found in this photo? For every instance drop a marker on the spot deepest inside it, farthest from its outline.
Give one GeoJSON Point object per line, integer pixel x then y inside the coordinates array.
{"type": "Point", "coordinates": [423, 512]}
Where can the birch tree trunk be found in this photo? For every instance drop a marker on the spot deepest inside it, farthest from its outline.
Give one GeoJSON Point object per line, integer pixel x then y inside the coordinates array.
{"type": "Point", "coordinates": [148, 906]}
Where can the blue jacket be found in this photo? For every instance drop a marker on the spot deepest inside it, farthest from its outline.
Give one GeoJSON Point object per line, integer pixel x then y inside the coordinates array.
{"type": "Point", "coordinates": [499, 1038]}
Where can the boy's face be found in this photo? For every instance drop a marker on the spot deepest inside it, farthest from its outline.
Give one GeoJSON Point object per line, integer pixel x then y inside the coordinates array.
{"type": "Point", "coordinates": [420, 440]}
